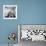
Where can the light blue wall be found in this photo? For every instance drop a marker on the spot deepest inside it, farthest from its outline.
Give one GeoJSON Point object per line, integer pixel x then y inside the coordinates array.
{"type": "Point", "coordinates": [7, 26]}
{"type": "Point", "coordinates": [34, 12]}
{"type": "Point", "coordinates": [28, 12]}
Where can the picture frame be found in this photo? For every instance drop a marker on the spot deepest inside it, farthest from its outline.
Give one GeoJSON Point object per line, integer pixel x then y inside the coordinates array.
{"type": "Point", "coordinates": [9, 11]}
{"type": "Point", "coordinates": [36, 32]}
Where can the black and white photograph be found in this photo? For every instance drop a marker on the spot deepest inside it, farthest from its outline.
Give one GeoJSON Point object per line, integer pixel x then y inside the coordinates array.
{"type": "Point", "coordinates": [9, 11]}
{"type": "Point", "coordinates": [31, 35]}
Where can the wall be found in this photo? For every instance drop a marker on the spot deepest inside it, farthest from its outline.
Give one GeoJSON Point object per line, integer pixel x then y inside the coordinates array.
{"type": "Point", "coordinates": [28, 12]}
{"type": "Point", "coordinates": [34, 12]}
{"type": "Point", "coordinates": [7, 26]}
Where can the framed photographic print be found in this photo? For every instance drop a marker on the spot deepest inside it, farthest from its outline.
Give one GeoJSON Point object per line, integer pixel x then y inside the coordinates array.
{"type": "Point", "coordinates": [9, 11]}
{"type": "Point", "coordinates": [32, 32]}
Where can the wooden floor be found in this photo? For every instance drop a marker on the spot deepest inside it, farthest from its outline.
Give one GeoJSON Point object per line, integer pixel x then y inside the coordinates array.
{"type": "Point", "coordinates": [9, 45]}
{"type": "Point", "coordinates": [30, 43]}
